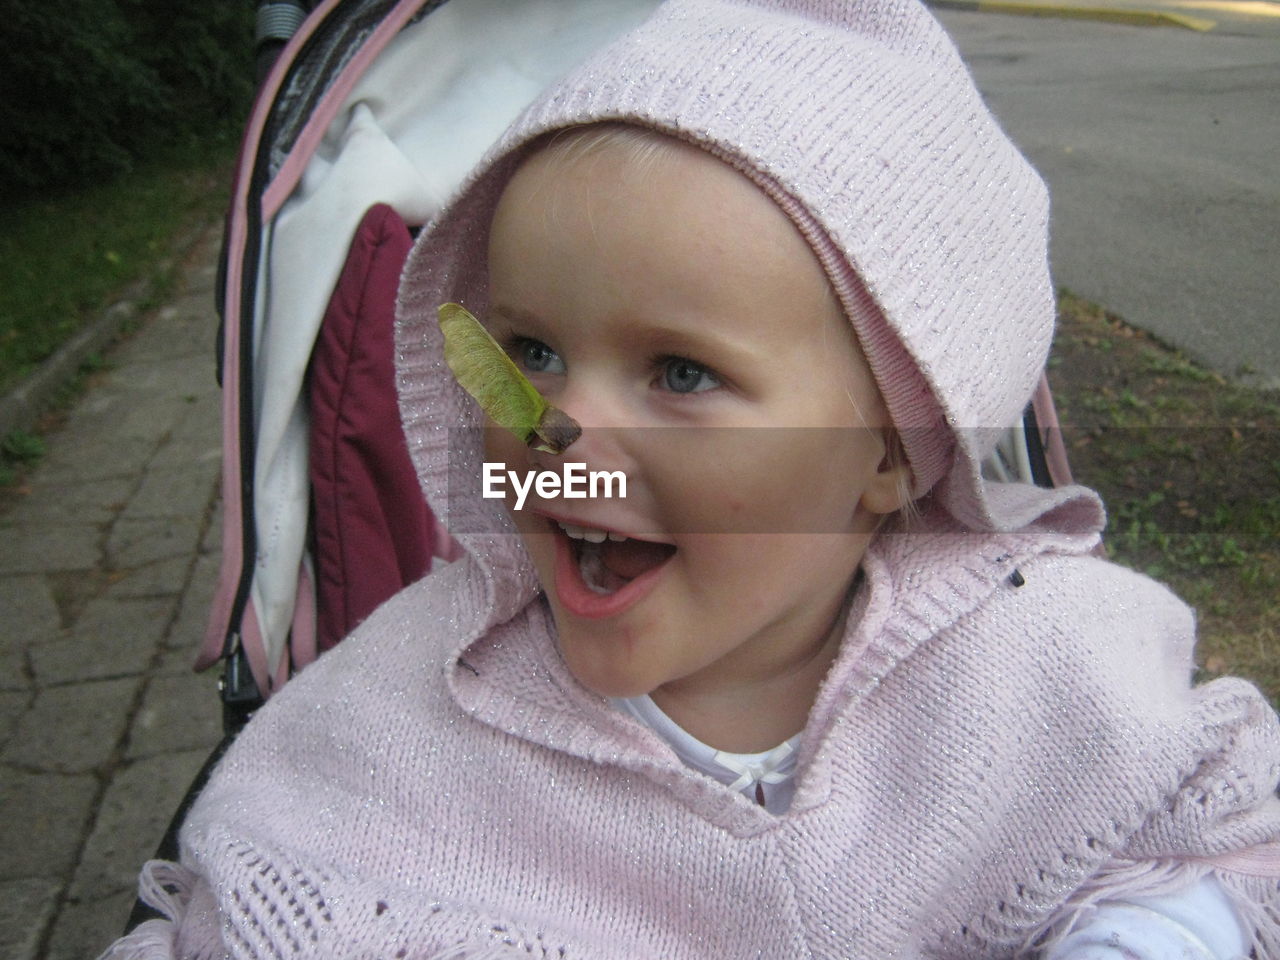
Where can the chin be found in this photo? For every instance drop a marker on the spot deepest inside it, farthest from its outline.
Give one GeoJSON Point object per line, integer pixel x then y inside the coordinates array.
{"type": "Point", "coordinates": [604, 675]}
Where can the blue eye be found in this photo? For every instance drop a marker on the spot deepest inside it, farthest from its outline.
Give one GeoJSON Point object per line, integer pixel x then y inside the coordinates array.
{"type": "Point", "coordinates": [537, 357]}
{"type": "Point", "coordinates": [684, 376]}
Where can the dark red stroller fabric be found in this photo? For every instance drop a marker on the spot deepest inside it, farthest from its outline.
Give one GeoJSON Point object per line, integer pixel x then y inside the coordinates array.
{"type": "Point", "coordinates": [374, 532]}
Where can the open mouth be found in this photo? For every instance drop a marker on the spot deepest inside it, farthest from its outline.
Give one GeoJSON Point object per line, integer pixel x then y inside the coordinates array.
{"type": "Point", "coordinates": [607, 561]}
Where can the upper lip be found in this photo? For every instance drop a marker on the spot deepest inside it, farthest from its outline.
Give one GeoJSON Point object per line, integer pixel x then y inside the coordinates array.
{"type": "Point", "coordinates": [594, 525]}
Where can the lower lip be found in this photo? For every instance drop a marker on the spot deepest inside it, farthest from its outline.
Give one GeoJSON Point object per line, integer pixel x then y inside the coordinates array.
{"type": "Point", "coordinates": [581, 601]}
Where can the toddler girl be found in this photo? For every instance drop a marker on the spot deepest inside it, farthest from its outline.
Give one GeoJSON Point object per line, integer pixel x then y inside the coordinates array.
{"type": "Point", "coordinates": [780, 263]}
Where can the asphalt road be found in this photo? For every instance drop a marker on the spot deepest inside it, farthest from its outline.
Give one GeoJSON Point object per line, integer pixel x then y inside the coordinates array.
{"type": "Point", "coordinates": [1161, 147]}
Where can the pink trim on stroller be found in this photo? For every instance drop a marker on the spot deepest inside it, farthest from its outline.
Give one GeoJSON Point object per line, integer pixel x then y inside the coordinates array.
{"type": "Point", "coordinates": [485, 55]}
{"type": "Point", "coordinates": [230, 575]}
{"type": "Point", "coordinates": [1055, 452]}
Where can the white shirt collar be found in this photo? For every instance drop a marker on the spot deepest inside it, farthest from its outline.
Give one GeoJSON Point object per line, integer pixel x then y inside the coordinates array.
{"type": "Point", "coordinates": [772, 770]}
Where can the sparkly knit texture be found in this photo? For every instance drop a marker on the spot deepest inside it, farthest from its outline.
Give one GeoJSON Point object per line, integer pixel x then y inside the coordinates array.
{"type": "Point", "coordinates": [981, 761]}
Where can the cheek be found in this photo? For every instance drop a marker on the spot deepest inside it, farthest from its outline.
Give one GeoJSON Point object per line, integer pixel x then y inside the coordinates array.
{"type": "Point", "coordinates": [762, 480]}
{"type": "Point", "coordinates": [758, 576]}
{"type": "Point", "coordinates": [502, 446]}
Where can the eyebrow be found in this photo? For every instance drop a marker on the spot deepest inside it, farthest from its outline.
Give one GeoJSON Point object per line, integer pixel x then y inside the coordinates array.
{"type": "Point", "coordinates": [707, 346]}
{"type": "Point", "coordinates": [512, 313]}
{"type": "Point", "coordinates": [659, 338]}
{"type": "Point", "coordinates": [512, 316]}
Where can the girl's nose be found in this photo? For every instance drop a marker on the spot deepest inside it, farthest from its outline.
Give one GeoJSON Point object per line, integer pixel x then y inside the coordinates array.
{"type": "Point", "coordinates": [602, 445]}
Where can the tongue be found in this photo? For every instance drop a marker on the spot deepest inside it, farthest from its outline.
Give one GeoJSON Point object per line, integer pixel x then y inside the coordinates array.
{"type": "Point", "coordinates": [630, 558]}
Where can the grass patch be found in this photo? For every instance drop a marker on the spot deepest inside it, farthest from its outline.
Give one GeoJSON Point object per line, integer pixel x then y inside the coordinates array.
{"type": "Point", "coordinates": [1189, 467]}
{"type": "Point", "coordinates": [22, 447]}
{"type": "Point", "coordinates": [19, 451]}
{"type": "Point", "coordinates": [63, 258]}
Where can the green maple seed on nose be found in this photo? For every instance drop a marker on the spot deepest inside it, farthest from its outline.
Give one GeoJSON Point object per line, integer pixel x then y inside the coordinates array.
{"type": "Point", "coordinates": [506, 396]}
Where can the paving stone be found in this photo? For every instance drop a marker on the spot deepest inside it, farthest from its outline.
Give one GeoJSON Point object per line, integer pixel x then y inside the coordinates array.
{"type": "Point", "coordinates": [85, 928]}
{"type": "Point", "coordinates": [179, 712]}
{"type": "Point", "coordinates": [111, 614]}
{"type": "Point", "coordinates": [132, 819]}
{"type": "Point", "coordinates": [112, 412]}
{"type": "Point", "coordinates": [164, 578]}
{"type": "Point", "coordinates": [211, 542]}
{"type": "Point", "coordinates": [96, 407]}
{"type": "Point", "coordinates": [191, 324]}
{"type": "Point", "coordinates": [202, 281]}
{"type": "Point", "coordinates": [13, 704]}
{"type": "Point", "coordinates": [133, 543]}
{"type": "Point", "coordinates": [93, 454]}
{"type": "Point", "coordinates": [204, 415]}
{"type": "Point", "coordinates": [13, 670]}
{"type": "Point", "coordinates": [28, 612]}
{"type": "Point", "coordinates": [26, 907]}
{"type": "Point", "coordinates": [204, 451]}
{"type": "Point", "coordinates": [180, 661]}
{"type": "Point", "coordinates": [61, 503]}
{"type": "Point", "coordinates": [81, 656]}
{"type": "Point", "coordinates": [41, 548]}
{"type": "Point", "coordinates": [198, 435]}
{"type": "Point", "coordinates": [181, 491]}
{"type": "Point", "coordinates": [167, 387]}
{"type": "Point", "coordinates": [42, 829]}
{"type": "Point", "coordinates": [196, 307]}
{"type": "Point", "coordinates": [184, 328]}
{"type": "Point", "coordinates": [188, 629]}
{"type": "Point", "coordinates": [102, 408]}
{"type": "Point", "coordinates": [75, 590]}
{"type": "Point", "coordinates": [72, 729]}
{"type": "Point", "coordinates": [129, 415]}
{"type": "Point", "coordinates": [190, 327]}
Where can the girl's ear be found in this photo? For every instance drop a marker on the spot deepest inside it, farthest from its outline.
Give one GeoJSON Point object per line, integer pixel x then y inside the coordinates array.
{"type": "Point", "coordinates": [890, 489]}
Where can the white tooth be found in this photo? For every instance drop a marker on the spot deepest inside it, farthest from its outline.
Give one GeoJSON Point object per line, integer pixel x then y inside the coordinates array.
{"type": "Point", "coordinates": [572, 531]}
{"type": "Point", "coordinates": [593, 535]}
{"type": "Point", "coordinates": [618, 537]}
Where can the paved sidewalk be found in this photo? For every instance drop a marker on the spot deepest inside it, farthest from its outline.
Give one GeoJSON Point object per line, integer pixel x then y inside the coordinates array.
{"type": "Point", "coordinates": [106, 572]}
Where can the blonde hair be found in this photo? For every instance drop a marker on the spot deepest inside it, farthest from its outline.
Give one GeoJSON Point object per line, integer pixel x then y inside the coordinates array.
{"type": "Point", "coordinates": [642, 147]}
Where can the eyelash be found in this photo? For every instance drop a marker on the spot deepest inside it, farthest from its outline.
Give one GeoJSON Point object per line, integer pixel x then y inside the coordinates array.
{"type": "Point", "coordinates": [517, 347]}
{"type": "Point", "coordinates": [663, 365]}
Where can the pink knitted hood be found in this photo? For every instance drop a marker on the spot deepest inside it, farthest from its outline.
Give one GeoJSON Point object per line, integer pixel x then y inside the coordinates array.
{"type": "Point", "coordinates": [861, 122]}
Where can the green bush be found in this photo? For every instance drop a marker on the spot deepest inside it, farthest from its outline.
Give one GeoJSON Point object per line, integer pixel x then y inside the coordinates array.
{"type": "Point", "coordinates": [94, 85]}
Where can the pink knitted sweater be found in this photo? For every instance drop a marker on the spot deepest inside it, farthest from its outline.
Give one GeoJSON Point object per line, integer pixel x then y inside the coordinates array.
{"type": "Point", "coordinates": [983, 760]}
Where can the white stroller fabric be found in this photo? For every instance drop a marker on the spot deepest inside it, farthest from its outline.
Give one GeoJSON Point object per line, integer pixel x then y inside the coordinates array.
{"type": "Point", "coordinates": [1196, 923]}
{"type": "Point", "coordinates": [413, 126]}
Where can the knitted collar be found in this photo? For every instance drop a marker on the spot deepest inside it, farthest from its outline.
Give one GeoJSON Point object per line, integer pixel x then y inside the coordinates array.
{"type": "Point", "coordinates": [918, 582]}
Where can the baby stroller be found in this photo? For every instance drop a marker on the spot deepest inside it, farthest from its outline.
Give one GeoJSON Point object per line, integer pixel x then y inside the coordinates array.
{"type": "Point", "coordinates": [370, 116]}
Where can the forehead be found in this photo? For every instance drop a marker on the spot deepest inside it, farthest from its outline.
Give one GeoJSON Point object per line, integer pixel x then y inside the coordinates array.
{"type": "Point", "coordinates": [670, 251]}
{"type": "Point", "coordinates": [595, 163]}
{"type": "Point", "coordinates": [643, 207]}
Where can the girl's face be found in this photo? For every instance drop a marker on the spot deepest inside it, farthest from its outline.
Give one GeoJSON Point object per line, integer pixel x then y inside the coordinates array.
{"type": "Point", "coordinates": [678, 315]}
